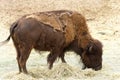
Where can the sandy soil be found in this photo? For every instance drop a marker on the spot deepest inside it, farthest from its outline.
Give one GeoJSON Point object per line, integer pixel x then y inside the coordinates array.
{"type": "Point", "coordinates": [103, 21]}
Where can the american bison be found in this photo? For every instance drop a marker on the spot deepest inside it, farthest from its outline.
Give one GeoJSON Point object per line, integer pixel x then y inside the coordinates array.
{"type": "Point", "coordinates": [55, 31]}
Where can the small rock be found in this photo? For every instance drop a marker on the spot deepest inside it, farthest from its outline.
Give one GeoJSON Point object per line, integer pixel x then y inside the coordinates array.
{"type": "Point", "coordinates": [102, 33]}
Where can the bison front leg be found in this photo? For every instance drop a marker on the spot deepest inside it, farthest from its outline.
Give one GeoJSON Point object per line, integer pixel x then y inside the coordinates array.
{"type": "Point", "coordinates": [62, 55]}
{"type": "Point", "coordinates": [52, 57]}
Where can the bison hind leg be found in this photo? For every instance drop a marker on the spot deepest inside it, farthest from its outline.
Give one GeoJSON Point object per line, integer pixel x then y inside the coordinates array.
{"type": "Point", "coordinates": [17, 47]}
{"type": "Point", "coordinates": [22, 56]}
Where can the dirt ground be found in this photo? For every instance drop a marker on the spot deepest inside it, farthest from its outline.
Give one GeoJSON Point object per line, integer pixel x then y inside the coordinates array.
{"type": "Point", "coordinates": [103, 19]}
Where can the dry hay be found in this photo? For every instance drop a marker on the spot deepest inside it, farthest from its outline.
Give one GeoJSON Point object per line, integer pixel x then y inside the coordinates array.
{"type": "Point", "coordinates": [61, 72]}
{"type": "Point", "coordinates": [58, 72]}
{"type": "Point", "coordinates": [105, 15]}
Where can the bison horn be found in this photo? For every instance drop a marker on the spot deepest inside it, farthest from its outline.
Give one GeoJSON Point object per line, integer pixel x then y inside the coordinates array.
{"type": "Point", "coordinates": [90, 48]}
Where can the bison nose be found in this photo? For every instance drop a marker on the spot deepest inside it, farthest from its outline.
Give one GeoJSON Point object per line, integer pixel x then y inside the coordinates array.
{"type": "Point", "coordinates": [98, 68]}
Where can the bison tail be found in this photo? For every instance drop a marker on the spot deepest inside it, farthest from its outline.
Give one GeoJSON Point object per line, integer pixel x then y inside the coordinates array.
{"type": "Point", "coordinates": [6, 41]}
{"type": "Point", "coordinates": [13, 26]}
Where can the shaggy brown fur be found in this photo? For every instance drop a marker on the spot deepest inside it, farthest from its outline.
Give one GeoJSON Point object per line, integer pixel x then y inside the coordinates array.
{"type": "Point", "coordinates": [69, 28]}
{"type": "Point", "coordinates": [81, 29]}
{"type": "Point", "coordinates": [49, 19]}
{"type": "Point", "coordinates": [57, 32]}
{"type": "Point", "coordinates": [59, 20]}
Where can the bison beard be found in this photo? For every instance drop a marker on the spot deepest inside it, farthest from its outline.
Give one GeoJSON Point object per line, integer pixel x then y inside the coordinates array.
{"type": "Point", "coordinates": [57, 32]}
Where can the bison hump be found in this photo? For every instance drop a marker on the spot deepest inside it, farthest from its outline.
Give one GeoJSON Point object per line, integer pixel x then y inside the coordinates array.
{"type": "Point", "coordinates": [61, 22]}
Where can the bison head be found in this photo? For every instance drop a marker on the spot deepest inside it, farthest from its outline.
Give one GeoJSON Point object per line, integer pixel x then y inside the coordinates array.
{"type": "Point", "coordinates": [92, 55]}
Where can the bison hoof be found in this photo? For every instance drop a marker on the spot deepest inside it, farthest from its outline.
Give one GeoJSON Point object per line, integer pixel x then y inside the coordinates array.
{"type": "Point", "coordinates": [50, 67]}
{"type": "Point", "coordinates": [64, 61]}
{"type": "Point", "coordinates": [98, 68]}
